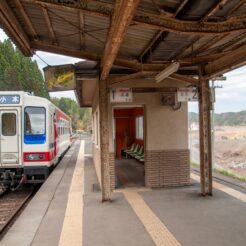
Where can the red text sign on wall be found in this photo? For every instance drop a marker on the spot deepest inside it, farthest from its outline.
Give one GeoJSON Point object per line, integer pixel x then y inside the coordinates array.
{"type": "Point", "coordinates": [121, 95]}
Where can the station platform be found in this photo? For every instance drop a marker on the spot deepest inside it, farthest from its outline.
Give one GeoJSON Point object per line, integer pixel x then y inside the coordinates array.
{"type": "Point", "coordinates": [67, 210]}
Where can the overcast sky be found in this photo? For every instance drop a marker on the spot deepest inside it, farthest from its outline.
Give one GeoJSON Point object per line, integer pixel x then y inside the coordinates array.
{"type": "Point", "coordinates": [230, 98]}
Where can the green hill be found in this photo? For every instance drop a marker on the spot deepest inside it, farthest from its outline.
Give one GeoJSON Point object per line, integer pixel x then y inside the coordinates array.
{"type": "Point", "coordinates": [223, 119]}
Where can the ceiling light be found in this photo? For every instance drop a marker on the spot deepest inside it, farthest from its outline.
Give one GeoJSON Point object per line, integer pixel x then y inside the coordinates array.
{"type": "Point", "coordinates": [172, 68]}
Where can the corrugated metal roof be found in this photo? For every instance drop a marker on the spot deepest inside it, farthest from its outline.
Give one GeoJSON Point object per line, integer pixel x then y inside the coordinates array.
{"type": "Point", "coordinates": [68, 31]}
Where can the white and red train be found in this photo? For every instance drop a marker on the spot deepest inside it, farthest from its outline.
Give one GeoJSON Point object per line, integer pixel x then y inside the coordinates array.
{"type": "Point", "coordinates": [34, 134]}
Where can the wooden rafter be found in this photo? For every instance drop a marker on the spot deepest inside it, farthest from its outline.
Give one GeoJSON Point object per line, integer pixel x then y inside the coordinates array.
{"type": "Point", "coordinates": [13, 28]}
{"type": "Point", "coordinates": [232, 60]}
{"type": "Point", "coordinates": [219, 5]}
{"type": "Point", "coordinates": [180, 7]}
{"type": "Point", "coordinates": [210, 43]}
{"type": "Point", "coordinates": [44, 46]}
{"type": "Point", "coordinates": [236, 7]}
{"type": "Point", "coordinates": [185, 79]}
{"type": "Point", "coordinates": [82, 29]}
{"type": "Point", "coordinates": [122, 16]}
{"type": "Point", "coordinates": [49, 24]}
{"type": "Point", "coordinates": [26, 19]}
{"type": "Point", "coordinates": [38, 45]}
{"type": "Point", "coordinates": [160, 33]}
{"type": "Point", "coordinates": [227, 45]}
{"type": "Point", "coordinates": [151, 21]}
{"type": "Point", "coordinates": [137, 75]}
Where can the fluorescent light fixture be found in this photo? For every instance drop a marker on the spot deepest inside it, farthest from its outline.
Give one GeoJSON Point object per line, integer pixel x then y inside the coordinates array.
{"type": "Point", "coordinates": [172, 68]}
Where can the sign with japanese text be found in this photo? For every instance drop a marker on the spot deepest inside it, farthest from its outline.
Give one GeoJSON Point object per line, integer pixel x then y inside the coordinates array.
{"type": "Point", "coordinates": [9, 99]}
{"type": "Point", "coordinates": [121, 95]}
{"type": "Point", "coordinates": [60, 78]}
{"type": "Point", "coordinates": [187, 94]}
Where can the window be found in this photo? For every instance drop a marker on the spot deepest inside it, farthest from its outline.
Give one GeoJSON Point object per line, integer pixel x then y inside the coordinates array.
{"type": "Point", "coordinates": [97, 132]}
{"type": "Point", "coordinates": [34, 121]}
{"type": "Point", "coordinates": [139, 127]}
{"type": "Point", "coordinates": [8, 124]}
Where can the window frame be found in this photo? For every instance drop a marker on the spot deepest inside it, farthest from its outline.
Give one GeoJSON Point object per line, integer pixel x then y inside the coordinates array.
{"type": "Point", "coordinates": [25, 121]}
{"type": "Point", "coordinates": [2, 133]}
{"type": "Point", "coordinates": [137, 135]}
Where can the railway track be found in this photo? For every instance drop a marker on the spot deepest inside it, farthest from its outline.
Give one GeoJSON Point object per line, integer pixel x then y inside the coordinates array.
{"type": "Point", "coordinates": [11, 204]}
{"type": "Point", "coordinates": [219, 179]}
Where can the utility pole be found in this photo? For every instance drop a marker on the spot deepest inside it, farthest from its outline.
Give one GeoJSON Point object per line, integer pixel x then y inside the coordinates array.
{"type": "Point", "coordinates": [213, 87]}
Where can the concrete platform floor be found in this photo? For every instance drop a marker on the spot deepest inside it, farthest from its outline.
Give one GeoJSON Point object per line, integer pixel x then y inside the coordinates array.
{"type": "Point", "coordinates": [136, 216]}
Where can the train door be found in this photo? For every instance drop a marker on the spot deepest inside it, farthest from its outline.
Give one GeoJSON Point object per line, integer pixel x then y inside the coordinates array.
{"type": "Point", "coordinates": [10, 138]}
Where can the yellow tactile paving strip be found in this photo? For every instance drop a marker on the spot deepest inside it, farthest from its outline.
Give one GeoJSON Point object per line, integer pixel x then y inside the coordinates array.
{"type": "Point", "coordinates": [237, 194]}
{"type": "Point", "coordinates": [72, 229]}
{"type": "Point", "coordinates": [156, 229]}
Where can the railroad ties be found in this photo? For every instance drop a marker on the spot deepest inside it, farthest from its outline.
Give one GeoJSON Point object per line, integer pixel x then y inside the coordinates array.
{"type": "Point", "coordinates": [10, 204]}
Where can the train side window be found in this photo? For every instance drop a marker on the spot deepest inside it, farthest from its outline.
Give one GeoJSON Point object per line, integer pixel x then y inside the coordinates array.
{"type": "Point", "coordinates": [34, 121]}
{"type": "Point", "coordinates": [8, 124]}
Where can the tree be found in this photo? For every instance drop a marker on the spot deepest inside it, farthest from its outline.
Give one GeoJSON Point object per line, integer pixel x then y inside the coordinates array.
{"type": "Point", "coordinates": [18, 72]}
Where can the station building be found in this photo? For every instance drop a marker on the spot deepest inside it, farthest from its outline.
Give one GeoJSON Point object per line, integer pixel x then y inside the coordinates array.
{"type": "Point", "coordinates": [161, 129]}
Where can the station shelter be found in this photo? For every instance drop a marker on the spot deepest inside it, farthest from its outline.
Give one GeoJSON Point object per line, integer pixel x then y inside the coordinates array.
{"type": "Point", "coordinates": [140, 55]}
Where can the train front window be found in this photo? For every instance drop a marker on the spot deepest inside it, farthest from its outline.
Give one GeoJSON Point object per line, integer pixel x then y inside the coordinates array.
{"type": "Point", "coordinates": [34, 121]}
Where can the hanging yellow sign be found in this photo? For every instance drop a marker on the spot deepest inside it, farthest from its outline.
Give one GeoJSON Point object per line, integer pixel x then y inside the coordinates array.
{"type": "Point", "coordinates": [60, 78]}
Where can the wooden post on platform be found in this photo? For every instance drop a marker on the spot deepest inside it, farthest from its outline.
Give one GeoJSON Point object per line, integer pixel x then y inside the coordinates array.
{"type": "Point", "coordinates": [205, 136]}
{"type": "Point", "coordinates": [104, 140]}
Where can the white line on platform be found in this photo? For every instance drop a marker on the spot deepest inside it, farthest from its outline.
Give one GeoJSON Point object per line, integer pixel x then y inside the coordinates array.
{"type": "Point", "coordinates": [72, 230]}
{"type": "Point", "coordinates": [232, 192]}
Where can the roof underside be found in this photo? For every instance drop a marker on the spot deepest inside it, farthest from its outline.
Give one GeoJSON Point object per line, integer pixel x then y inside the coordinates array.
{"type": "Point", "coordinates": [193, 32]}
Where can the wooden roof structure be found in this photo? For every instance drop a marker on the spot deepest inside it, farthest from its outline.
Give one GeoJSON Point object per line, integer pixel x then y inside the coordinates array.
{"type": "Point", "coordinates": [143, 36]}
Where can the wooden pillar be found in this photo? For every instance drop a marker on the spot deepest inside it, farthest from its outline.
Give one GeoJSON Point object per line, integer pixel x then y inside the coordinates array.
{"type": "Point", "coordinates": [104, 140]}
{"type": "Point", "coordinates": [205, 137]}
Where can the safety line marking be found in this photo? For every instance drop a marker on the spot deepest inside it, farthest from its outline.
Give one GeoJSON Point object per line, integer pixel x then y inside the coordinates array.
{"type": "Point", "coordinates": [73, 221]}
{"type": "Point", "coordinates": [153, 225]}
{"type": "Point", "coordinates": [232, 192]}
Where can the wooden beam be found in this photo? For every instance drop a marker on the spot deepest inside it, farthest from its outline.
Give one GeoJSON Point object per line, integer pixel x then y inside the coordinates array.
{"type": "Point", "coordinates": [26, 19]}
{"type": "Point", "coordinates": [236, 7]}
{"type": "Point", "coordinates": [180, 7]}
{"type": "Point", "coordinates": [137, 75]}
{"type": "Point", "coordinates": [228, 44]}
{"type": "Point", "coordinates": [122, 16]}
{"type": "Point", "coordinates": [149, 20]}
{"type": "Point", "coordinates": [150, 44]}
{"type": "Point", "coordinates": [49, 25]}
{"type": "Point", "coordinates": [210, 43]}
{"type": "Point", "coordinates": [219, 5]}
{"type": "Point", "coordinates": [157, 36]}
{"type": "Point", "coordinates": [232, 60]}
{"type": "Point", "coordinates": [183, 78]}
{"type": "Point", "coordinates": [48, 47]}
{"type": "Point", "coordinates": [14, 29]}
{"type": "Point", "coordinates": [82, 29]}
{"type": "Point", "coordinates": [205, 136]}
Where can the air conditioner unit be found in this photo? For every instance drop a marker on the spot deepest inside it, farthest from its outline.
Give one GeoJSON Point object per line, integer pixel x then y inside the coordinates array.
{"type": "Point", "coordinates": [168, 99]}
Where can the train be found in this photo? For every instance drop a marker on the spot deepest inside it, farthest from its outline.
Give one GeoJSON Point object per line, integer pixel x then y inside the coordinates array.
{"type": "Point", "coordinates": [34, 134]}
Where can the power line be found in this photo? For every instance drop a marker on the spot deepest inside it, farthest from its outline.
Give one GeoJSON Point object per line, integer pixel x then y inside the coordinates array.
{"type": "Point", "coordinates": [42, 59]}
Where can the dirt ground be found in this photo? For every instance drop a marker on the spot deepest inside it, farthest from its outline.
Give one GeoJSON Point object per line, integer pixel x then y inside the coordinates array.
{"type": "Point", "coordinates": [230, 147]}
